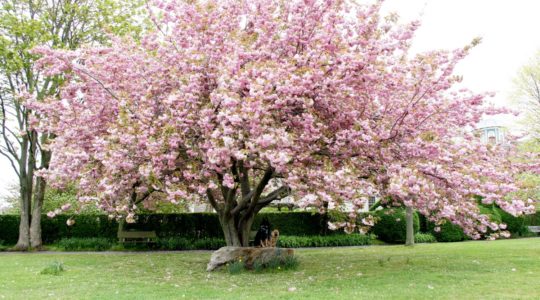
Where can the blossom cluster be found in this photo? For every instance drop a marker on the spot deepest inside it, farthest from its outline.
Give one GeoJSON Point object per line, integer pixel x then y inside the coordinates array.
{"type": "Point", "coordinates": [325, 94]}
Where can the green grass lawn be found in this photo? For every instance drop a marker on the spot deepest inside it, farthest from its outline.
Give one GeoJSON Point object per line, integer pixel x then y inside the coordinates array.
{"type": "Point", "coordinates": [503, 269]}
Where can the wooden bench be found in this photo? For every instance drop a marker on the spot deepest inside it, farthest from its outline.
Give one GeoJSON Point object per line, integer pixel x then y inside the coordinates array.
{"type": "Point", "coordinates": [137, 236]}
{"type": "Point", "coordinates": [252, 235]}
{"type": "Point", "coordinates": [535, 229]}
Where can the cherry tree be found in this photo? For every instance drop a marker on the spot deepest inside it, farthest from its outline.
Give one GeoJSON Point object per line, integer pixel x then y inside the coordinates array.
{"type": "Point", "coordinates": [241, 103]}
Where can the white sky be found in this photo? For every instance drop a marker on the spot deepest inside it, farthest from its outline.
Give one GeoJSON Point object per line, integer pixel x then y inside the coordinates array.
{"type": "Point", "coordinates": [508, 30]}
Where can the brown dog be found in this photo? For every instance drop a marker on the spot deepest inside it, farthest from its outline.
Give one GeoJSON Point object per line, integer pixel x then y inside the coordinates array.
{"type": "Point", "coordinates": [272, 241]}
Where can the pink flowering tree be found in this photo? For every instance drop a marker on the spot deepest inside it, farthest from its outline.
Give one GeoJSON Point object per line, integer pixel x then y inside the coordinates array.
{"type": "Point", "coordinates": [241, 103]}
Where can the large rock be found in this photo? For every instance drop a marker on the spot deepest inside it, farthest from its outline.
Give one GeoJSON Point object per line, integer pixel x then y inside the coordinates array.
{"type": "Point", "coordinates": [248, 255]}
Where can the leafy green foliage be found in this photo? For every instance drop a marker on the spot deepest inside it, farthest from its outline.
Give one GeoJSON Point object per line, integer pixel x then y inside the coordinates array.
{"type": "Point", "coordinates": [391, 226]}
{"type": "Point", "coordinates": [294, 223]}
{"type": "Point", "coordinates": [448, 232]}
{"type": "Point", "coordinates": [277, 263]}
{"type": "Point", "coordinates": [55, 268]}
{"type": "Point", "coordinates": [85, 244]}
{"type": "Point", "coordinates": [236, 267]}
{"type": "Point", "coordinates": [175, 243]}
{"type": "Point", "coordinates": [420, 237]}
{"type": "Point", "coordinates": [181, 231]}
{"type": "Point", "coordinates": [186, 225]}
{"type": "Point", "coordinates": [182, 243]}
{"type": "Point", "coordinates": [516, 225]}
{"type": "Point", "coordinates": [353, 239]}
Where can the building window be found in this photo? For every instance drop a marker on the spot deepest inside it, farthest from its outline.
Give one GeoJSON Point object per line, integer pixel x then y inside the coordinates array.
{"type": "Point", "coordinates": [371, 201]}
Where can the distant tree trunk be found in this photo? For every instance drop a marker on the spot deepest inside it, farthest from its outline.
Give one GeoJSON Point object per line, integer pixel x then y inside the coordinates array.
{"type": "Point", "coordinates": [409, 240]}
{"type": "Point", "coordinates": [325, 218]}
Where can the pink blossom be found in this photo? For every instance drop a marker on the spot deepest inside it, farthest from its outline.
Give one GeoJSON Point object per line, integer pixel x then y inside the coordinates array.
{"type": "Point", "coordinates": [209, 110]}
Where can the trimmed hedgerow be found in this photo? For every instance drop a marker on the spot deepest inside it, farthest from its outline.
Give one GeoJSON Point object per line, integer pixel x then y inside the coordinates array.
{"type": "Point", "coordinates": [85, 244]}
{"type": "Point", "coordinates": [187, 225]}
{"type": "Point", "coordinates": [192, 226]}
{"type": "Point", "coordinates": [353, 239]}
{"type": "Point", "coordinates": [181, 243]}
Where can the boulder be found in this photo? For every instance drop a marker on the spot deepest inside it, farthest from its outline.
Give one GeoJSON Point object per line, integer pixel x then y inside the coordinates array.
{"type": "Point", "coordinates": [248, 255]}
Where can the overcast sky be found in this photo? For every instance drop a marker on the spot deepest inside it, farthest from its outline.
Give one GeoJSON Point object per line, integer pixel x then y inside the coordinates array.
{"type": "Point", "coordinates": [509, 40]}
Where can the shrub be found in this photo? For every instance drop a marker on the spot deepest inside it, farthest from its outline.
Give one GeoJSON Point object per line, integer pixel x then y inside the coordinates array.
{"type": "Point", "coordinates": [278, 263]}
{"type": "Point", "coordinates": [420, 237]}
{"type": "Point", "coordinates": [9, 228]}
{"type": "Point", "coordinates": [294, 223]}
{"type": "Point", "coordinates": [516, 225]}
{"type": "Point", "coordinates": [391, 226]}
{"type": "Point", "coordinates": [532, 220]}
{"type": "Point", "coordinates": [208, 243]}
{"type": "Point", "coordinates": [492, 212]}
{"type": "Point", "coordinates": [175, 243]}
{"type": "Point", "coordinates": [2, 246]}
{"type": "Point", "coordinates": [236, 267]}
{"type": "Point", "coordinates": [448, 232]}
{"type": "Point", "coordinates": [85, 244]}
{"type": "Point", "coordinates": [54, 268]}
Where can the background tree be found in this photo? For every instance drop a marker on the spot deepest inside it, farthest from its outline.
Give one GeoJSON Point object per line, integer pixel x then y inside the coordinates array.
{"type": "Point", "coordinates": [60, 24]}
{"type": "Point", "coordinates": [527, 93]}
{"type": "Point", "coordinates": [240, 103]}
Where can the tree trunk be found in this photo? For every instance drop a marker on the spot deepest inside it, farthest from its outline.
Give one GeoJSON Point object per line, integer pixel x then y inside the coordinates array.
{"type": "Point", "coordinates": [39, 196]}
{"type": "Point", "coordinates": [409, 241]}
{"type": "Point", "coordinates": [35, 226]}
{"type": "Point", "coordinates": [236, 231]}
{"type": "Point", "coordinates": [26, 173]}
{"type": "Point", "coordinates": [23, 243]}
{"type": "Point", "coordinates": [237, 211]}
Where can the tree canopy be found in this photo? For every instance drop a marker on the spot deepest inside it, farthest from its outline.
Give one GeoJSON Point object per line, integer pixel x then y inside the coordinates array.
{"type": "Point", "coordinates": [240, 103]}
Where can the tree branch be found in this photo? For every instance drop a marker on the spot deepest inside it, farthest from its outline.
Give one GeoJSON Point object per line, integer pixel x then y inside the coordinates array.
{"type": "Point", "coordinates": [212, 200]}
{"type": "Point", "coordinates": [259, 189]}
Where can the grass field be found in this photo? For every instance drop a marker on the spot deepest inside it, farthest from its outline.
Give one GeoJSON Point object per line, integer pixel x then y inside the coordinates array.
{"type": "Point", "coordinates": [506, 269]}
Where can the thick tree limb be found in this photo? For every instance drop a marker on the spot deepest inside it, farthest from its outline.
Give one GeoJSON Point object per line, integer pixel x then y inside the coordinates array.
{"type": "Point", "coordinates": [277, 194]}
{"type": "Point", "coordinates": [259, 189]}
{"type": "Point", "coordinates": [244, 179]}
{"type": "Point", "coordinates": [212, 200]}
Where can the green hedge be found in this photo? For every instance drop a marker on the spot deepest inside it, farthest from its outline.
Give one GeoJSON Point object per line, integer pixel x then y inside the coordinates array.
{"type": "Point", "coordinates": [532, 220]}
{"type": "Point", "coordinates": [206, 225]}
{"type": "Point", "coordinates": [182, 243]}
{"type": "Point", "coordinates": [187, 225]}
{"type": "Point", "coordinates": [391, 226]}
{"type": "Point", "coordinates": [448, 232]}
{"type": "Point", "coordinates": [353, 239]}
{"type": "Point", "coordinates": [85, 244]}
{"type": "Point", "coordinates": [420, 237]}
